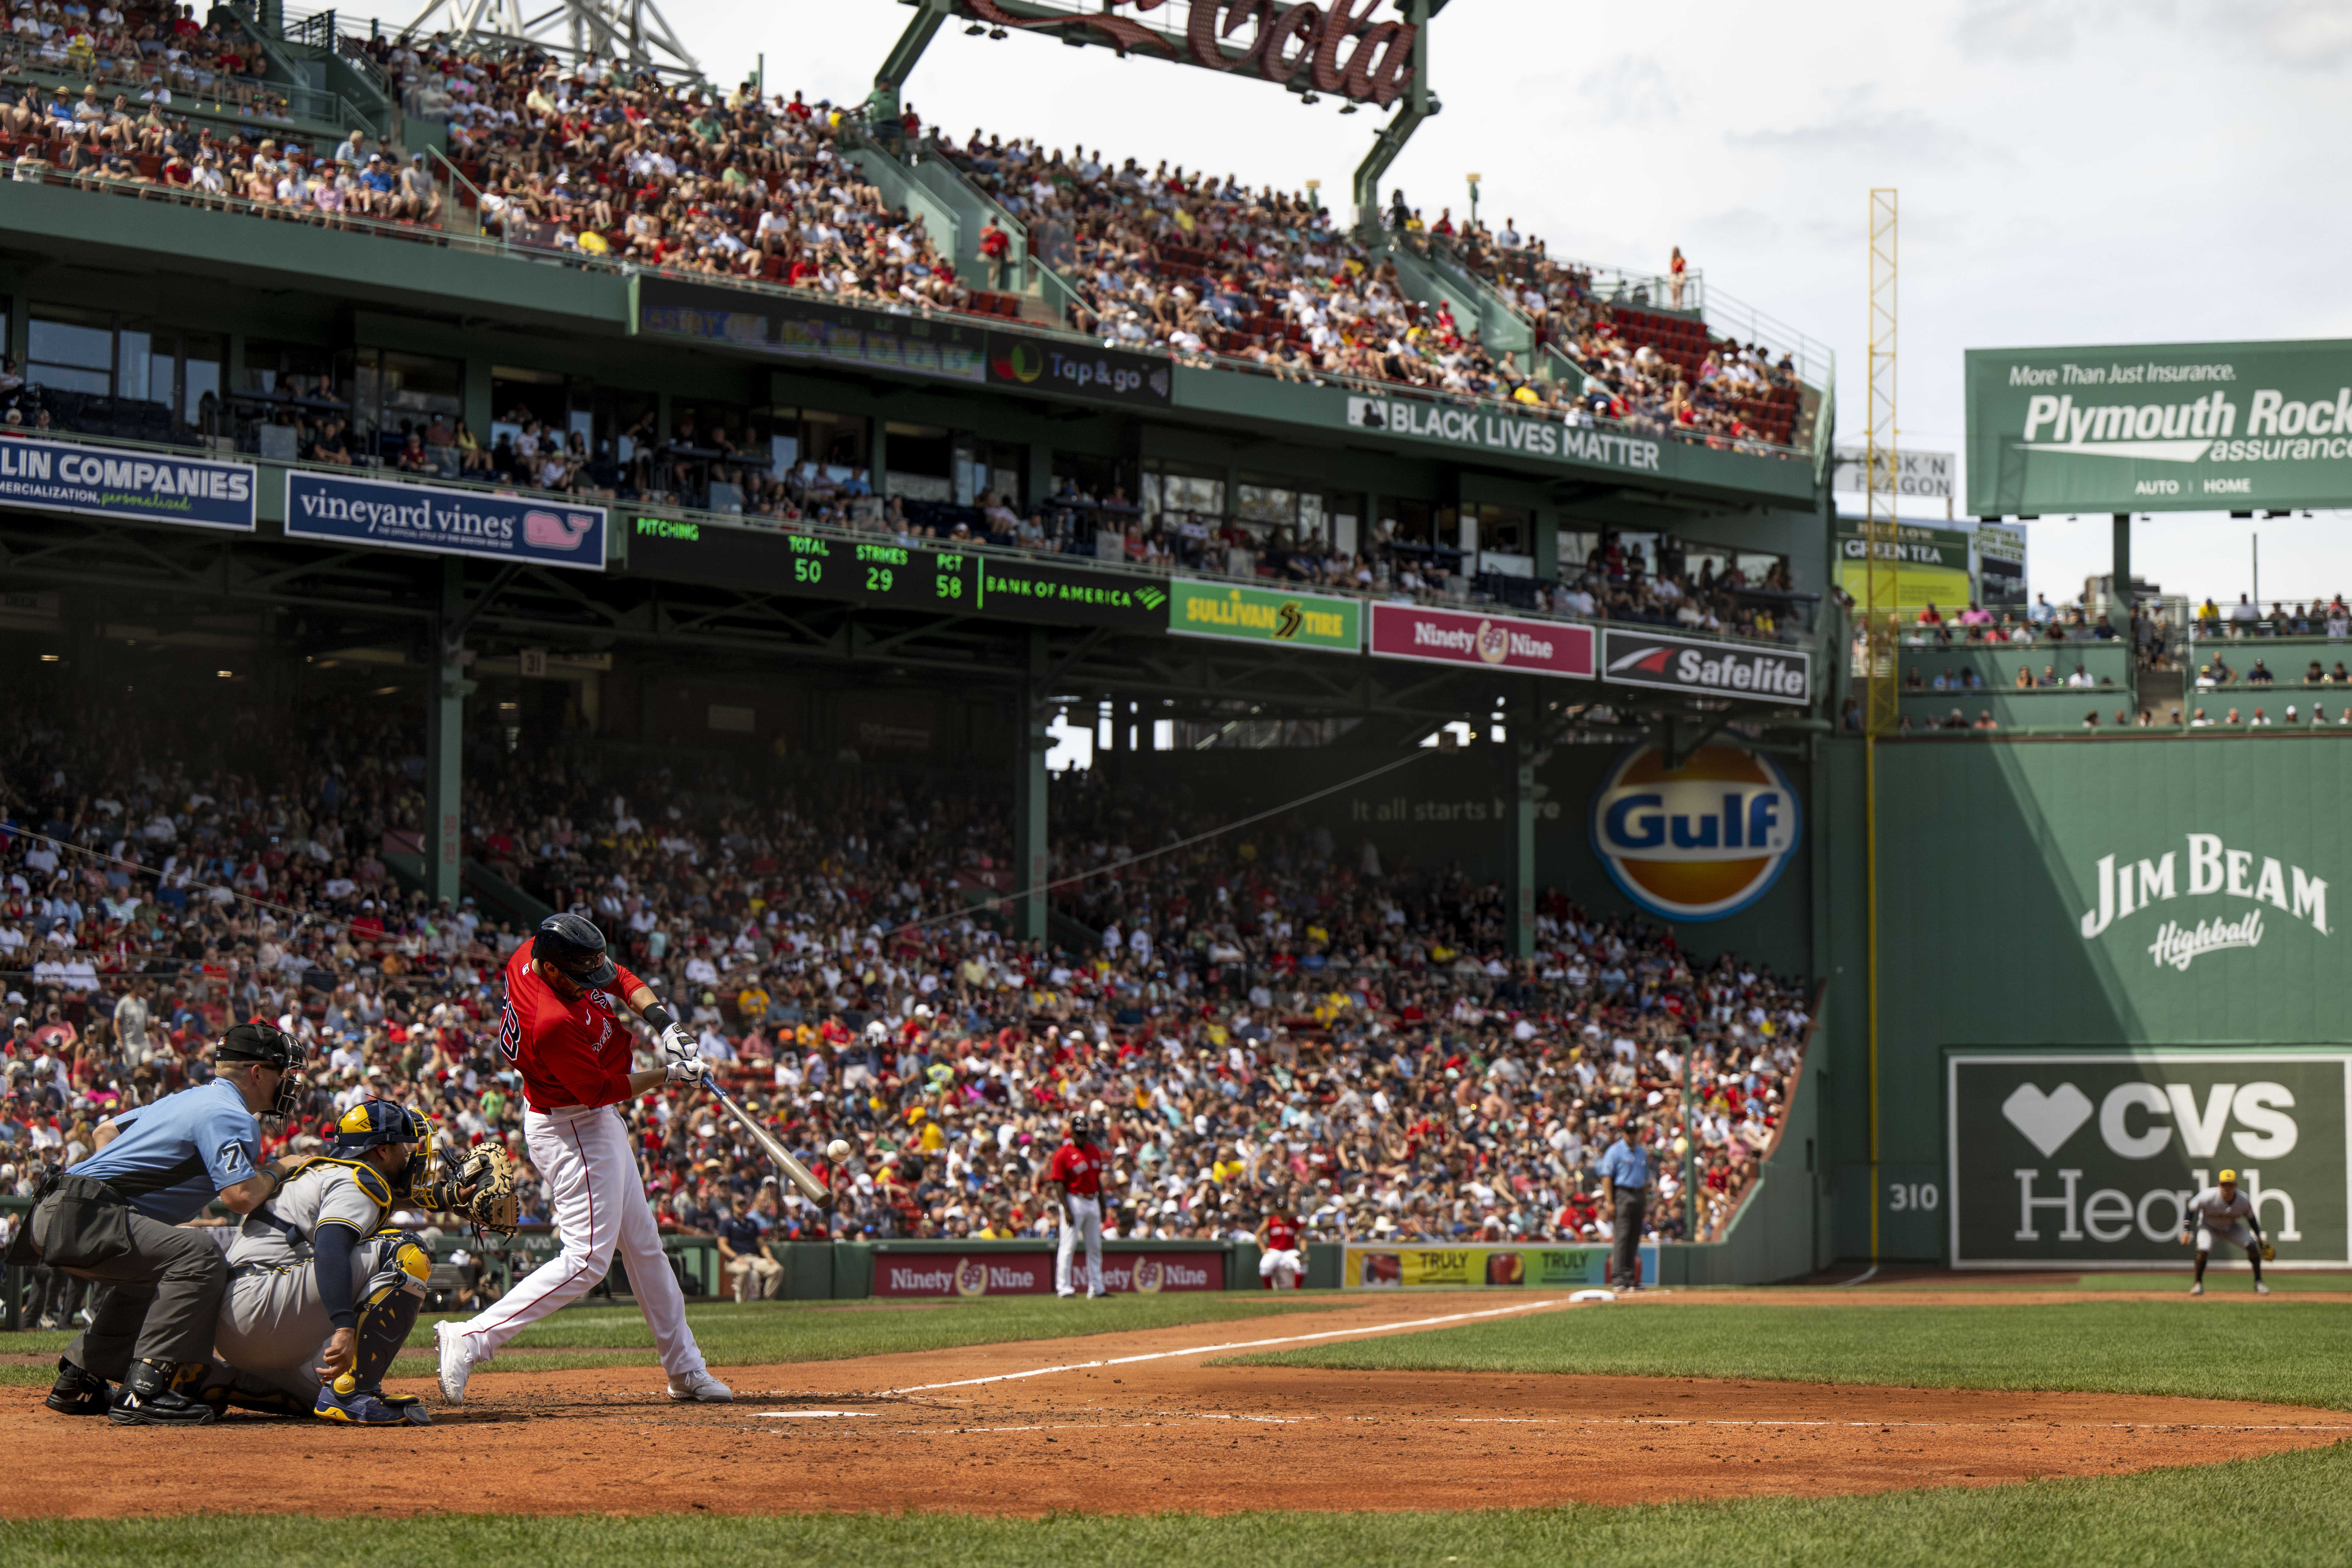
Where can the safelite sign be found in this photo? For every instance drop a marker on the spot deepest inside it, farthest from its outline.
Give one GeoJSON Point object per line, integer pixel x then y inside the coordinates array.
{"type": "Point", "coordinates": [1492, 642]}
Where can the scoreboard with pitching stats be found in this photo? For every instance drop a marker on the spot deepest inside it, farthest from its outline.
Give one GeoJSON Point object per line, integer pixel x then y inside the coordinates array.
{"type": "Point", "coordinates": [887, 574]}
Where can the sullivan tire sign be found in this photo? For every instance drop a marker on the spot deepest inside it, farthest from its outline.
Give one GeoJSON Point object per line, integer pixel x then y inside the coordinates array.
{"type": "Point", "coordinates": [2087, 1159]}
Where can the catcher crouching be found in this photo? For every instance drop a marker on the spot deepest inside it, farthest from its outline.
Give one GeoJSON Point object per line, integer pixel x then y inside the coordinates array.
{"type": "Point", "coordinates": [321, 1293]}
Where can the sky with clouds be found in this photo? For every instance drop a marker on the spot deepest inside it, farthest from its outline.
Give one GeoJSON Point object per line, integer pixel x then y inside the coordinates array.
{"type": "Point", "coordinates": [2071, 172]}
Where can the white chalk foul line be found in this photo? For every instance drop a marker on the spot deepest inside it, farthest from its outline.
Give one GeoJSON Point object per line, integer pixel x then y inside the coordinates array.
{"type": "Point", "coordinates": [1235, 1346]}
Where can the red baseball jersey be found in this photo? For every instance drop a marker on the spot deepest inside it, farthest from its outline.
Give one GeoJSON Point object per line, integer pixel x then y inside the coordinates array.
{"type": "Point", "coordinates": [1079, 1167]}
{"type": "Point", "coordinates": [1281, 1233]}
{"type": "Point", "coordinates": [570, 1053]}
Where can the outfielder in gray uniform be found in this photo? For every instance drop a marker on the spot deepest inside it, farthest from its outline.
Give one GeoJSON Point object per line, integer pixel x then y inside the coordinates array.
{"type": "Point", "coordinates": [320, 1295]}
{"type": "Point", "coordinates": [2224, 1214]}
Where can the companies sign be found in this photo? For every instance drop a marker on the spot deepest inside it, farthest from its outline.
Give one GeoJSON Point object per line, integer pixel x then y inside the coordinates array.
{"type": "Point", "coordinates": [130, 486]}
{"type": "Point", "coordinates": [1637, 657]}
{"type": "Point", "coordinates": [1265, 615]}
{"type": "Point", "coordinates": [2089, 1158]}
{"type": "Point", "coordinates": [1492, 642]}
{"type": "Point", "coordinates": [444, 522]}
{"type": "Point", "coordinates": [1700, 842]}
{"type": "Point", "coordinates": [2188, 427]}
{"type": "Point", "coordinates": [2129, 888]}
{"type": "Point", "coordinates": [992, 1272]}
{"type": "Point", "coordinates": [1374, 1267]}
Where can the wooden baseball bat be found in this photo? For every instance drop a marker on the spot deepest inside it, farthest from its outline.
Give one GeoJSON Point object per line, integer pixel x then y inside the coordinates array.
{"type": "Point", "coordinates": [811, 1188]}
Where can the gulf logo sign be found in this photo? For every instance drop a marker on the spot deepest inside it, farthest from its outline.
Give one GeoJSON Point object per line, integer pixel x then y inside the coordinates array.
{"type": "Point", "coordinates": [1698, 843]}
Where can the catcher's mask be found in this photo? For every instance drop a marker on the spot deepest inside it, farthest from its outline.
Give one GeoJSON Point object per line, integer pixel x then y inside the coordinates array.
{"type": "Point", "coordinates": [372, 1124]}
{"type": "Point", "coordinates": [573, 944]}
{"type": "Point", "coordinates": [271, 1047]}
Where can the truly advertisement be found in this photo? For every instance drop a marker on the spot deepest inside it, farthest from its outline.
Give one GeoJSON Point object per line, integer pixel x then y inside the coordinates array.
{"type": "Point", "coordinates": [1637, 657]}
{"type": "Point", "coordinates": [993, 1272]}
{"type": "Point", "coordinates": [1491, 642]}
{"type": "Point", "coordinates": [2088, 1159]}
{"type": "Point", "coordinates": [130, 486]}
{"type": "Point", "coordinates": [1543, 1266]}
{"type": "Point", "coordinates": [1265, 615]}
{"type": "Point", "coordinates": [1698, 842]}
{"type": "Point", "coordinates": [445, 521]}
{"type": "Point", "coordinates": [2182, 427]}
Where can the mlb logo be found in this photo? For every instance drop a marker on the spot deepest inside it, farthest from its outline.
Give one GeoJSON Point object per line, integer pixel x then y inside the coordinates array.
{"type": "Point", "coordinates": [1368, 413]}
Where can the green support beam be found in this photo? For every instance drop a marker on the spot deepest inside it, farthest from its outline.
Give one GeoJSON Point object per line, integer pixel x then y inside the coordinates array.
{"type": "Point", "coordinates": [1526, 720]}
{"type": "Point", "coordinates": [445, 741]}
{"type": "Point", "coordinates": [1031, 853]}
{"type": "Point", "coordinates": [2119, 599]}
{"type": "Point", "coordinates": [1419, 104]}
{"type": "Point", "coordinates": [882, 105]}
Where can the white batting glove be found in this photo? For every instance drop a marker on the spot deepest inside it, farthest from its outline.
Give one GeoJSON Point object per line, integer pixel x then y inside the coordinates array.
{"type": "Point", "coordinates": [688, 1069]}
{"type": "Point", "coordinates": [677, 1044]}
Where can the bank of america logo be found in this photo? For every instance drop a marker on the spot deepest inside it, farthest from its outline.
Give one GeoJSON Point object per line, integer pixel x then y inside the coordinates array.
{"type": "Point", "coordinates": [1150, 598]}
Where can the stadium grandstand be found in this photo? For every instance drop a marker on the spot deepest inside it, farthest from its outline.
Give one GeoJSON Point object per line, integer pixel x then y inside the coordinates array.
{"type": "Point", "coordinates": [1363, 704]}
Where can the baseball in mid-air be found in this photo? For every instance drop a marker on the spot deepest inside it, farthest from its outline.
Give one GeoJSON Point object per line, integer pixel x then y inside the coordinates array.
{"type": "Point", "coordinates": [837, 1151]}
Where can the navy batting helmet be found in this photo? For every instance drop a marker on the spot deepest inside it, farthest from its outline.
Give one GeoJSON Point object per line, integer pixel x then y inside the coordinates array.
{"type": "Point", "coordinates": [571, 944]}
{"type": "Point", "coordinates": [373, 1124]}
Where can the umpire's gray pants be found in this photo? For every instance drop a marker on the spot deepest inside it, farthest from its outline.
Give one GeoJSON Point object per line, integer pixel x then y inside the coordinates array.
{"type": "Point", "coordinates": [159, 1285]}
{"type": "Point", "coordinates": [1626, 1227]}
{"type": "Point", "coordinates": [273, 1326]}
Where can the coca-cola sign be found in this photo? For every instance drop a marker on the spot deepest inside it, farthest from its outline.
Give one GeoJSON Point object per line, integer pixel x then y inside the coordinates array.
{"type": "Point", "coordinates": [1334, 48]}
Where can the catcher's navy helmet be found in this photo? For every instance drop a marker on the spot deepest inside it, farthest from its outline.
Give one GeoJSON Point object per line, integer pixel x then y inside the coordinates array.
{"type": "Point", "coordinates": [373, 1124]}
{"type": "Point", "coordinates": [573, 944]}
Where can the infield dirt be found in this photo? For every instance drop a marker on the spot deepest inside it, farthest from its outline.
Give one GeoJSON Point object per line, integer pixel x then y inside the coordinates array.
{"type": "Point", "coordinates": [1026, 1428]}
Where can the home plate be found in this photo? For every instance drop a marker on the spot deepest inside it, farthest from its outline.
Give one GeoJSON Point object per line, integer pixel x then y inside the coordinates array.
{"type": "Point", "coordinates": [1593, 1296]}
{"type": "Point", "coordinates": [811, 1415]}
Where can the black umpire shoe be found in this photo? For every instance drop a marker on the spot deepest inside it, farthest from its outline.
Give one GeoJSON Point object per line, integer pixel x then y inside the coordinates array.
{"type": "Point", "coordinates": [148, 1399]}
{"type": "Point", "coordinates": [78, 1393]}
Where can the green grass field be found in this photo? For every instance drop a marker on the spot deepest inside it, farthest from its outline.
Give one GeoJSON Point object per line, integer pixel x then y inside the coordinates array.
{"type": "Point", "coordinates": [767, 1334]}
{"type": "Point", "coordinates": [2287, 1510]}
{"type": "Point", "coordinates": [2279, 1349]}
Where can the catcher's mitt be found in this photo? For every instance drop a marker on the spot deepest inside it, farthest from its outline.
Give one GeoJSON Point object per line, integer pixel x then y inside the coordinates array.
{"type": "Point", "coordinates": [483, 1190]}
{"type": "Point", "coordinates": [2269, 1252]}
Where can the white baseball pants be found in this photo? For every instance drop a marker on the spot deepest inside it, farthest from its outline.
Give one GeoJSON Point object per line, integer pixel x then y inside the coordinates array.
{"type": "Point", "coordinates": [599, 1206]}
{"type": "Point", "coordinates": [1083, 1217]}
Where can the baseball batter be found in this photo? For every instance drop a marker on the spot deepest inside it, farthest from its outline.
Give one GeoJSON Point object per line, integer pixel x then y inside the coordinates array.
{"type": "Point", "coordinates": [1277, 1255]}
{"type": "Point", "coordinates": [320, 1295]}
{"type": "Point", "coordinates": [2225, 1214]}
{"type": "Point", "coordinates": [564, 1032]}
{"type": "Point", "coordinates": [1073, 1179]}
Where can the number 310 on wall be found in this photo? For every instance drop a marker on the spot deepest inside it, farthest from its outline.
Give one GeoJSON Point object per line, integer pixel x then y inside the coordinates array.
{"type": "Point", "coordinates": [1903, 1195]}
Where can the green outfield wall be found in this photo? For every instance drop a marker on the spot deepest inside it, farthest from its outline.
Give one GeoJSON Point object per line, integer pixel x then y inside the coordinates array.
{"type": "Point", "coordinates": [2181, 898]}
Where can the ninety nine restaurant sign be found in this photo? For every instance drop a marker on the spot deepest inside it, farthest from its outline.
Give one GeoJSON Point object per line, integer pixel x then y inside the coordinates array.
{"type": "Point", "coordinates": [1006, 1272]}
{"type": "Point", "coordinates": [1491, 642]}
{"type": "Point", "coordinates": [1265, 615]}
{"type": "Point", "coordinates": [2179, 427]}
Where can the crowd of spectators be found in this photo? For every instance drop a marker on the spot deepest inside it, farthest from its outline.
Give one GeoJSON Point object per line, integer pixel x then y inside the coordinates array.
{"type": "Point", "coordinates": [1268, 1019]}
{"type": "Point", "coordinates": [2287, 620]}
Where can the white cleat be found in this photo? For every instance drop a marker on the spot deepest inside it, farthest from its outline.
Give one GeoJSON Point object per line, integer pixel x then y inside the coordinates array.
{"type": "Point", "coordinates": [700, 1386]}
{"type": "Point", "coordinates": [458, 1360]}
{"type": "Point", "coordinates": [2198, 1288]}
{"type": "Point", "coordinates": [2261, 1288]}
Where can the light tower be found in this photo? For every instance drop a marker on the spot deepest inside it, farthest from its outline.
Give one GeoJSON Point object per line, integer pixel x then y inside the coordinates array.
{"type": "Point", "coordinates": [634, 32]}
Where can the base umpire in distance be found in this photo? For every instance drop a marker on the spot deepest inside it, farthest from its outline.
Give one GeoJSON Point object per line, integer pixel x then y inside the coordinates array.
{"type": "Point", "coordinates": [116, 1220]}
{"type": "Point", "coordinates": [1625, 1193]}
